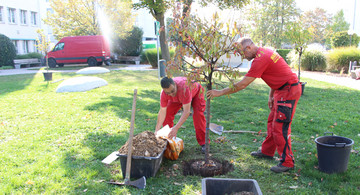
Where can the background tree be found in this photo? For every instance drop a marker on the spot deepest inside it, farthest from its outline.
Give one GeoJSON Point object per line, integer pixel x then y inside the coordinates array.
{"type": "Point", "coordinates": [158, 9]}
{"type": "Point", "coordinates": [300, 37]}
{"type": "Point", "coordinates": [316, 21]}
{"type": "Point", "coordinates": [129, 46]}
{"type": "Point", "coordinates": [83, 17]}
{"type": "Point", "coordinates": [268, 20]}
{"type": "Point", "coordinates": [342, 39]}
{"type": "Point", "coordinates": [7, 51]}
{"type": "Point", "coordinates": [338, 24]}
{"type": "Point", "coordinates": [199, 46]}
{"type": "Point", "coordinates": [43, 44]}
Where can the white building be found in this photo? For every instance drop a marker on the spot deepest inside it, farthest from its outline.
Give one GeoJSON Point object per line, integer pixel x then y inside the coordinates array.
{"type": "Point", "coordinates": [19, 20]}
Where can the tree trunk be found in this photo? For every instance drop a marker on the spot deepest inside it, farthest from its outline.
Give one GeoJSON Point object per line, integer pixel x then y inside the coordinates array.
{"type": "Point", "coordinates": [208, 87]}
{"type": "Point", "coordinates": [165, 54]}
{"type": "Point", "coordinates": [300, 53]}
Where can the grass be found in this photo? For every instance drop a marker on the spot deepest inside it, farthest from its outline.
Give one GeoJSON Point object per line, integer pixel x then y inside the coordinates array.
{"type": "Point", "coordinates": [53, 143]}
{"type": "Point", "coordinates": [80, 66]}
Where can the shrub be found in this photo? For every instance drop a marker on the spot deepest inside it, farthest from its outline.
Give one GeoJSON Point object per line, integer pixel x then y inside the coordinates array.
{"type": "Point", "coordinates": [29, 55]}
{"type": "Point", "coordinates": [283, 53]}
{"type": "Point", "coordinates": [293, 58]}
{"type": "Point", "coordinates": [339, 58]}
{"type": "Point", "coordinates": [131, 45]}
{"type": "Point", "coordinates": [143, 59]}
{"type": "Point", "coordinates": [7, 51]}
{"type": "Point", "coordinates": [313, 60]}
{"type": "Point", "coordinates": [310, 60]}
{"type": "Point", "coordinates": [151, 56]}
{"type": "Point", "coordinates": [342, 39]}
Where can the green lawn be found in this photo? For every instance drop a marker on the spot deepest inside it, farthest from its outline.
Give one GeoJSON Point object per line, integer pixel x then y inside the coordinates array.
{"type": "Point", "coordinates": [53, 143]}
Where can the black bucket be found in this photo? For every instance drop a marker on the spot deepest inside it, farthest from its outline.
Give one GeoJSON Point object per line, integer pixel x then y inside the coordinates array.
{"type": "Point", "coordinates": [333, 153]}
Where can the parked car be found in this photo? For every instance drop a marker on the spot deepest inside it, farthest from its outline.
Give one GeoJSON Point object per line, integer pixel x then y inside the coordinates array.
{"type": "Point", "coordinates": [93, 50]}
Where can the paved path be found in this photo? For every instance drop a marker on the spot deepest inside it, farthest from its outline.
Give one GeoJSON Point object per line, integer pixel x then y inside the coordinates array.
{"type": "Point", "coordinates": [330, 78]}
{"type": "Point", "coordinates": [33, 71]}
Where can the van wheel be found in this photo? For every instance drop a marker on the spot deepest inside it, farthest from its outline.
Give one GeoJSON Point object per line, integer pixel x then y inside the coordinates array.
{"type": "Point", "coordinates": [99, 63]}
{"type": "Point", "coordinates": [92, 62]}
{"type": "Point", "coordinates": [52, 63]}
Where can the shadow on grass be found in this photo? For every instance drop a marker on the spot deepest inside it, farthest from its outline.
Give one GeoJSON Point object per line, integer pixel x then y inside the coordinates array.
{"type": "Point", "coordinates": [147, 106]}
{"type": "Point", "coordinates": [13, 83]}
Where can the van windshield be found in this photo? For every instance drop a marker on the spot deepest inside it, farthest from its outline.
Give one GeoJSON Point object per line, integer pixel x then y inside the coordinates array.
{"type": "Point", "coordinates": [59, 46]}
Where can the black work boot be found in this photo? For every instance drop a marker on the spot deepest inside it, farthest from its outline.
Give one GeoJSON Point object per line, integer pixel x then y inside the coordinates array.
{"type": "Point", "coordinates": [203, 149]}
{"type": "Point", "coordinates": [280, 168]}
{"type": "Point", "coordinates": [259, 154]}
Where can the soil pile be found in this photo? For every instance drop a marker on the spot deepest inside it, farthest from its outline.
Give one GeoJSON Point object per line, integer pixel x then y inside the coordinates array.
{"type": "Point", "coordinates": [145, 144]}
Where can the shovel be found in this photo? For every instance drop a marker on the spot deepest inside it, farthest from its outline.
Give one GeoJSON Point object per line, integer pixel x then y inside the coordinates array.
{"type": "Point", "coordinates": [140, 183]}
{"type": "Point", "coordinates": [218, 129]}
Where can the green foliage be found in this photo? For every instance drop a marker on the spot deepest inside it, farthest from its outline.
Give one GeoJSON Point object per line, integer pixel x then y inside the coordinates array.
{"type": "Point", "coordinates": [130, 45]}
{"type": "Point", "coordinates": [268, 20]}
{"type": "Point", "coordinates": [316, 21]}
{"type": "Point", "coordinates": [313, 60]}
{"type": "Point", "coordinates": [339, 23]}
{"type": "Point", "coordinates": [7, 51]}
{"type": "Point", "coordinates": [310, 60]}
{"type": "Point", "coordinates": [151, 56]}
{"type": "Point", "coordinates": [338, 59]}
{"type": "Point", "coordinates": [90, 17]}
{"type": "Point", "coordinates": [293, 59]}
{"type": "Point", "coordinates": [29, 55]}
{"type": "Point", "coordinates": [283, 53]}
{"type": "Point", "coordinates": [342, 39]}
{"type": "Point", "coordinates": [223, 4]}
{"type": "Point", "coordinates": [143, 59]}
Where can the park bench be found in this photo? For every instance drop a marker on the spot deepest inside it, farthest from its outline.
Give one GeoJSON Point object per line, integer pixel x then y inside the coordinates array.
{"type": "Point", "coordinates": [352, 67]}
{"type": "Point", "coordinates": [135, 59]}
{"type": "Point", "coordinates": [27, 63]}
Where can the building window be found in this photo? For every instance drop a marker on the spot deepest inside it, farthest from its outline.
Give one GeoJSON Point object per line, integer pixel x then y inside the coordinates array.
{"type": "Point", "coordinates": [1, 14]}
{"type": "Point", "coordinates": [11, 15]}
{"type": "Point", "coordinates": [33, 18]}
{"type": "Point", "coordinates": [23, 15]}
{"type": "Point", "coordinates": [26, 46]}
{"type": "Point", "coordinates": [16, 46]}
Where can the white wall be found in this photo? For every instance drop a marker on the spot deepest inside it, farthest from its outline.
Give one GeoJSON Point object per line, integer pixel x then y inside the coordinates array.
{"type": "Point", "coordinates": [145, 21]}
{"type": "Point", "coordinates": [19, 32]}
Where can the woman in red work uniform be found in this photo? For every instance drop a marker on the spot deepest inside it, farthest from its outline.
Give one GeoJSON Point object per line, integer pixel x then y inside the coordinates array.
{"type": "Point", "coordinates": [285, 92]}
{"type": "Point", "coordinates": [178, 93]}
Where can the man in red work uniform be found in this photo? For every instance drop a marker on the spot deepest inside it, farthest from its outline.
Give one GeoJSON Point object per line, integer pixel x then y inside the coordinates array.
{"type": "Point", "coordinates": [285, 92]}
{"type": "Point", "coordinates": [179, 93]}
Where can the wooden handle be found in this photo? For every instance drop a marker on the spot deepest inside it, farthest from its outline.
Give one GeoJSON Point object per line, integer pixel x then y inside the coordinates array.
{"type": "Point", "coordinates": [131, 134]}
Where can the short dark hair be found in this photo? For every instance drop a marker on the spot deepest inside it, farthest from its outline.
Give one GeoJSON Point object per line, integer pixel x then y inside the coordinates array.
{"type": "Point", "coordinates": [166, 82]}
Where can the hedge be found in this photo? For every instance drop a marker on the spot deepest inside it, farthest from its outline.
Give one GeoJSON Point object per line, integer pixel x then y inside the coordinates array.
{"type": "Point", "coordinates": [283, 53]}
{"type": "Point", "coordinates": [339, 58]}
{"type": "Point", "coordinates": [151, 56]}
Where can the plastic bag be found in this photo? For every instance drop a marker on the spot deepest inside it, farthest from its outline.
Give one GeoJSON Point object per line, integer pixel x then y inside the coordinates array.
{"type": "Point", "coordinates": [175, 145]}
{"type": "Point", "coordinates": [173, 149]}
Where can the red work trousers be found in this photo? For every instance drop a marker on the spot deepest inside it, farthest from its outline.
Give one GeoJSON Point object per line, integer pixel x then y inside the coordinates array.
{"type": "Point", "coordinates": [198, 104]}
{"type": "Point", "coordinates": [279, 124]}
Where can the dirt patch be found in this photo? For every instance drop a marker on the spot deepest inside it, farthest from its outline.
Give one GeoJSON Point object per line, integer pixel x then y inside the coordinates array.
{"type": "Point", "coordinates": [214, 167]}
{"type": "Point", "coordinates": [145, 144]}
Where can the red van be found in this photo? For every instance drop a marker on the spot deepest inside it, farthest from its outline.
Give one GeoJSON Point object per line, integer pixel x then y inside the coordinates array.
{"type": "Point", "coordinates": [93, 50]}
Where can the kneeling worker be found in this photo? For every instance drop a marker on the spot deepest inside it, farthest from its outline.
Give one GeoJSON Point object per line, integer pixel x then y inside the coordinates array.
{"type": "Point", "coordinates": [179, 93]}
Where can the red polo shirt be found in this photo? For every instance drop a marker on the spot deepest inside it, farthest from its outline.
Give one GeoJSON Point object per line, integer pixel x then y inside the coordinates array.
{"type": "Point", "coordinates": [272, 68]}
{"type": "Point", "coordinates": [184, 94]}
